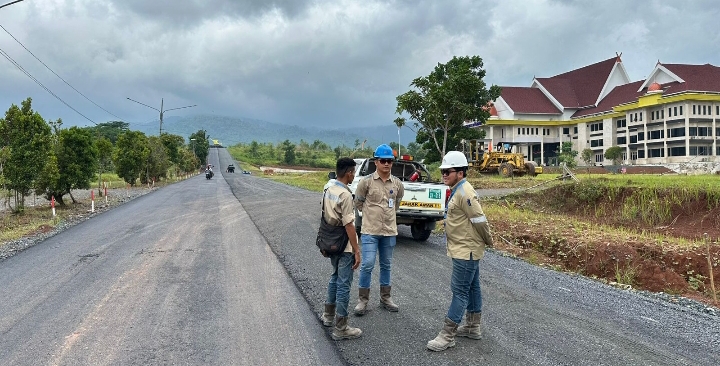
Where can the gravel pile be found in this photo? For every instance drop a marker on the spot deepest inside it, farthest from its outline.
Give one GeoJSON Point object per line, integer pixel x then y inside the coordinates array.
{"type": "Point", "coordinates": [121, 196]}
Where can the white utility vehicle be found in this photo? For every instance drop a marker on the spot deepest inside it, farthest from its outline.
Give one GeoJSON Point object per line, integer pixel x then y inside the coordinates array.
{"type": "Point", "coordinates": [424, 201]}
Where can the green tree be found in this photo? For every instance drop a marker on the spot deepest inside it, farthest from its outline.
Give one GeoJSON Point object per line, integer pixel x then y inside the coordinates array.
{"type": "Point", "coordinates": [188, 161]}
{"type": "Point", "coordinates": [452, 94]}
{"type": "Point", "coordinates": [157, 163]}
{"type": "Point", "coordinates": [587, 156]}
{"type": "Point", "coordinates": [27, 138]}
{"type": "Point", "coordinates": [254, 151]}
{"type": "Point", "coordinates": [417, 152]}
{"type": "Point", "coordinates": [130, 154]}
{"type": "Point", "coordinates": [614, 153]}
{"type": "Point", "coordinates": [76, 160]}
{"type": "Point", "coordinates": [201, 145]}
{"type": "Point", "coordinates": [104, 148]}
{"type": "Point", "coordinates": [288, 149]}
{"type": "Point", "coordinates": [109, 130]}
{"type": "Point", "coordinates": [173, 144]}
{"type": "Point", "coordinates": [567, 155]}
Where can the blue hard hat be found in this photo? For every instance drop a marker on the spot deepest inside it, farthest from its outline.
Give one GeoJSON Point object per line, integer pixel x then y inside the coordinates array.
{"type": "Point", "coordinates": [384, 152]}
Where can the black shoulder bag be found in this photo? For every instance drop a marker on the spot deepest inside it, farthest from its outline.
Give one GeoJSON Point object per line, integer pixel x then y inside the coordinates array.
{"type": "Point", "coordinates": [331, 239]}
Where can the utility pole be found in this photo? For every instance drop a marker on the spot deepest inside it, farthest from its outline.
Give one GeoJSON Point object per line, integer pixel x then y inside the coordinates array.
{"type": "Point", "coordinates": [161, 110]}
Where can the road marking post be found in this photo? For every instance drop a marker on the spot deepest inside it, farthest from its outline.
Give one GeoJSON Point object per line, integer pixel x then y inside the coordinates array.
{"type": "Point", "coordinates": [105, 185]}
{"type": "Point", "coordinates": [92, 200]}
{"type": "Point", "coordinates": [52, 204]}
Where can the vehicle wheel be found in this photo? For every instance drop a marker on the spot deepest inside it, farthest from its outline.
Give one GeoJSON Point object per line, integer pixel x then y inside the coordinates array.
{"type": "Point", "coordinates": [530, 166]}
{"type": "Point", "coordinates": [506, 170]}
{"type": "Point", "coordinates": [419, 232]}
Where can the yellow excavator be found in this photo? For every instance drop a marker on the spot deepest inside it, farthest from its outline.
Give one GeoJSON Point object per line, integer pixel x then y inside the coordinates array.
{"type": "Point", "coordinates": [504, 159]}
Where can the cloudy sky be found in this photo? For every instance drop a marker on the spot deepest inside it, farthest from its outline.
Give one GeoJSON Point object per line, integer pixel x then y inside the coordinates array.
{"type": "Point", "coordinates": [298, 62]}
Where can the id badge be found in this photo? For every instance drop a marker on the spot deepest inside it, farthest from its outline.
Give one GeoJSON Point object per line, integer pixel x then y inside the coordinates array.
{"type": "Point", "coordinates": [390, 203]}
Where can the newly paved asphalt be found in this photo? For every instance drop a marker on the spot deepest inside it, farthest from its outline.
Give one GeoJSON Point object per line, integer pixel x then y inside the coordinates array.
{"type": "Point", "coordinates": [225, 272]}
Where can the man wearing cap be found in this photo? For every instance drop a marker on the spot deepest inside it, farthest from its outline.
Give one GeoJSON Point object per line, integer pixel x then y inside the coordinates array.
{"type": "Point", "coordinates": [466, 232]}
{"type": "Point", "coordinates": [378, 196]}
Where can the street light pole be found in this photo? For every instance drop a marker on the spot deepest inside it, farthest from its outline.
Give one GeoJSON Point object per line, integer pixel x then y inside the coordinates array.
{"type": "Point", "coordinates": [161, 110]}
{"type": "Point", "coordinates": [10, 3]}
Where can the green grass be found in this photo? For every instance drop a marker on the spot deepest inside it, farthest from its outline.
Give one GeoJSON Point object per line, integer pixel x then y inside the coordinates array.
{"type": "Point", "coordinates": [310, 181]}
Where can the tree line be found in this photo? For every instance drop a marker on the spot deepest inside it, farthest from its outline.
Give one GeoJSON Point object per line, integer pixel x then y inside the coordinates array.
{"type": "Point", "coordinates": [46, 158]}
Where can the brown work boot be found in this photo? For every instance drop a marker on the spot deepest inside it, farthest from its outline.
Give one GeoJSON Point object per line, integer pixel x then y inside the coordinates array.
{"type": "Point", "coordinates": [328, 315]}
{"type": "Point", "coordinates": [344, 331]}
{"type": "Point", "coordinates": [445, 339]}
{"type": "Point", "coordinates": [363, 298]}
{"type": "Point", "coordinates": [472, 328]}
{"type": "Point", "coordinates": [386, 300]}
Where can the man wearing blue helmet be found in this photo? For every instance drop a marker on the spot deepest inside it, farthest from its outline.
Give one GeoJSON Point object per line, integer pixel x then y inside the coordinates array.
{"type": "Point", "coordinates": [378, 196]}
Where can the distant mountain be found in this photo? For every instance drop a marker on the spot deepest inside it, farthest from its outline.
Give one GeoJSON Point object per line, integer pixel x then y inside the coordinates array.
{"type": "Point", "coordinates": [231, 130]}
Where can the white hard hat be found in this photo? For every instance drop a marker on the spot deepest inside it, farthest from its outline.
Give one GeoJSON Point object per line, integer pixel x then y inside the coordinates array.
{"type": "Point", "coordinates": [454, 159]}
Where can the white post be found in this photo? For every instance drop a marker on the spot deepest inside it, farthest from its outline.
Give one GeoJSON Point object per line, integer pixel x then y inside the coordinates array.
{"type": "Point", "coordinates": [92, 200]}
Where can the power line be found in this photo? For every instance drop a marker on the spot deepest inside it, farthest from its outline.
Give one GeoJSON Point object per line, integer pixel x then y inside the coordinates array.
{"type": "Point", "coordinates": [41, 84]}
{"type": "Point", "coordinates": [51, 70]}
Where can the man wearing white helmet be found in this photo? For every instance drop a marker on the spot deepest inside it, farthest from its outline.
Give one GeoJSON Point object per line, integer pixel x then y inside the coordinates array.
{"type": "Point", "coordinates": [466, 232]}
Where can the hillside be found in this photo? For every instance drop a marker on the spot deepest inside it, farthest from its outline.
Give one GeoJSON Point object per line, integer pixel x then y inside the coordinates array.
{"type": "Point", "coordinates": [233, 130]}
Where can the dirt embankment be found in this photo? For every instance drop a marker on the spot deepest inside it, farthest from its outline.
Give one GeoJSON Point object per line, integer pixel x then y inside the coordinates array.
{"type": "Point", "coordinates": [678, 222]}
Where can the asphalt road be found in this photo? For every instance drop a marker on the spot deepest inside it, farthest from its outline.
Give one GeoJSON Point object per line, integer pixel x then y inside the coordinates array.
{"type": "Point", "coordinates": [225, 272]}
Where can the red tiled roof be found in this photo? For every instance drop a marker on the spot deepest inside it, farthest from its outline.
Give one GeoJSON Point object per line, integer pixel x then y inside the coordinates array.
{"type": "Point", "coordinates": [528, 100]}
{"type": "Point", "coordinates": [620, 94]}
{"type": "Point", "coordinates": [581, 87]}
{"type": "Point", "coordinates": [697, 78]}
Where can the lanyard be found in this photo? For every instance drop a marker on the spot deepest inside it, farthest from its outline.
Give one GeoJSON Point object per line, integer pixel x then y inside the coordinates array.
{"type": "Point", "coordinates": [452, 194]}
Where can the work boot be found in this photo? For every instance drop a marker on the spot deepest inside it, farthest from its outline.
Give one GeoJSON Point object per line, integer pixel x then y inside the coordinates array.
{"type": "Point", "coordinates": [386, 300]}
{"type": "Point", "coordinates": [328, 315]}
{"type": "Point", "coordinates": [472, 328]}
{"type": "Point", "coordinates": [445, 339]}
{"type": "Point", "coordinates": [344, 331]}
{"type": "Point", "coordinates": [363, 298]}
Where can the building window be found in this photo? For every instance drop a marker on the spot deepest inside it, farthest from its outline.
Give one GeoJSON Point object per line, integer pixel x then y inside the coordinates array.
{"type": "Point", "coordinates": [717, 110]}
{"type": "Point", "coordinates": [641, 113]}
{"type": "Point", "coordinates": [694, 111]}
{"type": "Point", "coordinates": [681, 113]}
{"type": "Point", "coordinates": [655, 135]}
{"type": "Point", "coordinates": [641, 136]}
{"type": "Point", "coordinates": [575, 130]}
{"type": "Point", "coordinates": [622, 140]}
{"type": "Point", "coordinates": [596, 143]}
{"type": "Point", "coordinates": [518, 130]}
{"type": "Point", "coordinates": [621, 123]}
{"type": "Point", "coordinates": [656, 153]}
{"type": "Point", "coordinates": [566, 130]}
{"type": "Point", "coordinates": [598, 158]}
{"type": "Point", "coordinates": [662, 113]}
{"type": "Point", "coordinates": [700, 131]}
{"type": "Point", "coordinates": [676, 132]}
{"type": "Point", "coordinates": [633, 139]}
{"type": "Point", "coordinates": [624, 156]}
{"type": "Point", "coordinates": [703, 110]}
{"type": "Point", "coordinates": [596, 127]}
{"type": "Point", "coordinates": [641, 154]}
{"type": "Point", "coordinates": [700, 150]}
{"type": "Point", "coordinates": [633, 155]}
{"type": "Point", "coordinates": [676, 151]}
{"type": "Point", "coordinates": [717, 133]}
{"type": "Point", "coordinates": [675, 111]}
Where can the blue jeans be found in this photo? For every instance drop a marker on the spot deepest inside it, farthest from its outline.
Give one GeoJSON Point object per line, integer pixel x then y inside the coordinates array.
{"type": "Point", "coordinates": [373, 245]}
{"type": "Point", "coordinates": [340, 282]}
{"type": "Point", "coordinates": [465, 284]}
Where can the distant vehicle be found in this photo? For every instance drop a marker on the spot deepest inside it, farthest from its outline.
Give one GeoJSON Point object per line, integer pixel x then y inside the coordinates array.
{"type": "Point", "coordinates": [246, 172]}
{"type": "Point", "coordinates": [231, 168]}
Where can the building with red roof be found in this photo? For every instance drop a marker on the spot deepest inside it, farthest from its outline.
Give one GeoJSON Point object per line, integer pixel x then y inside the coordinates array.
{"type": "Point", "coordinates": [673, 116]}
